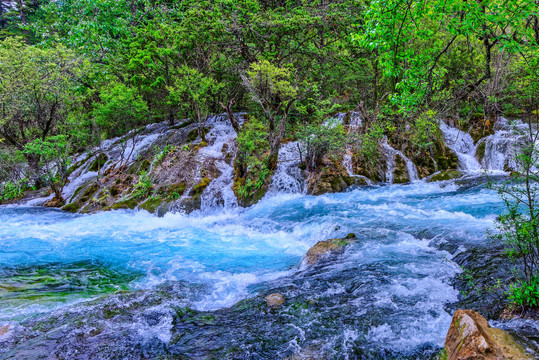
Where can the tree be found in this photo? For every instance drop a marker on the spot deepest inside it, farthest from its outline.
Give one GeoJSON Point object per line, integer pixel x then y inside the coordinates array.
{"type": "Point", "coordinates": [53, 161]}
{"type": "Point", "coordinates": [274, 89]}
{"type": "Point", "coordinates": [37, 89]}
{"type": "Point", "coordinates": [317, 141]}
{"type": "Point", "coordinates": [194, 92]}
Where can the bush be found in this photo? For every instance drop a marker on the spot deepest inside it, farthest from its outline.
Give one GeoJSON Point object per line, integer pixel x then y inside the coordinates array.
{"type": "Point", "coordinates": [318, 141]}
{"type": "Point", "coordinates": [252, 168]}
{"type": "Point", "coordinates": [525, 294]}
{"type": "Point", "coordinates": [11, 190]}
{"type": "Point", "coordinates": [121, 109]}
{"type": "Point", "coordinates": [425, 130]}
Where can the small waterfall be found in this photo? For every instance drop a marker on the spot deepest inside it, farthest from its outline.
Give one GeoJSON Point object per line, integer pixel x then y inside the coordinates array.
{"type": "Point", "coordinates": [462, 144]}
{"type": "Point", "coordinates": [500, 147]}
{"type": "Point", "coordinates": [288, 178]}
{"type": "Point", "coordinates": [351, 119]}
{"type": "Point", "coordinates": [222, 142]}
{"type": "Point", "coordinates": [391, 155]}
{"type": "Point", "coordinates": [347, 163]}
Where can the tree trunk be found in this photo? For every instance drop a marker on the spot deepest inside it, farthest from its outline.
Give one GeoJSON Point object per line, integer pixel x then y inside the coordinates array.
{"type": "Point", "coordinates": [23, 20]}
{"type": "Point", "coordinates": [233, 121]}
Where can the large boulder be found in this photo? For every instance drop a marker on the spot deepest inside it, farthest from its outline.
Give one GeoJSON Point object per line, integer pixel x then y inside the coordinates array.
{"type": "Point", "coordinates": [324, 249]}
{"type": "Point", "coordinates": [330, 177]}
{"type": "Point", "coordinates": [470, 337]}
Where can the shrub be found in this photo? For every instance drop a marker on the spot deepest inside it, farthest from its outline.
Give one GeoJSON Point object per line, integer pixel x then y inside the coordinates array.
{"type": "Point", "coordinates": [318, 141]}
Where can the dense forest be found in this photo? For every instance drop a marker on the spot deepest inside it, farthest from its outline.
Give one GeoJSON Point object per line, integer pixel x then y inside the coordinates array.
{"type": "Point", "coordinates": [75, 74]}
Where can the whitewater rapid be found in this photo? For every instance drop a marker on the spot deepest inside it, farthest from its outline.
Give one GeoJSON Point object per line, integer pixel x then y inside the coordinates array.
{"type": "Point", "coordinates": [231, 254]}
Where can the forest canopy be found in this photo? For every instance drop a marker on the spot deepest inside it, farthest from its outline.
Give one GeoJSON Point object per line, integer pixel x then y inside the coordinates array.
{"type": "Point", "coordinates": [85, 70]}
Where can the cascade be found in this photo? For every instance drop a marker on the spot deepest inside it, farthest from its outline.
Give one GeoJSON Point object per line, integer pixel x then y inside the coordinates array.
{"type": "Point", "coordinates": [222, 142]}
{"type": "Point", "coordinates": [288, 178]}
{"type": "Point", "coordinates": [347, 163]}
{"type": "Point", "coordinates": [391, 155]}
{"type": "Point", "coordinates": [462, 144]}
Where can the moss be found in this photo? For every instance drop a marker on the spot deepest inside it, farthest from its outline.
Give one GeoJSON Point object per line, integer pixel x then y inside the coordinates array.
{"type": "Point", "coordinates": [446, 175]}
{"type": "Point", "coordinates": [79, 189]}
{"type": "Point", "coordinates": [89, 192]}
{"type": "Point", "coordinates": [442, 355]}
{"type": "Point", "coordinates": [125, 204]}
{"type": "Point", "coordinates": [182, 125]}
{"type": "Point", "coordinates": [98, 163]}
{"type": "Point", "coordinates": [151, 204]}
{"type": "Point", "coordinates": [173, 191]}
{"type": "Point", "coordinates": [193, 134]}
{"type": "Point", "coordinates": [400, 172]}
{"type": "Point", "coordinates": [73, 207]}
{"type": "Point", "coordinates": [198, 189]}
{"type": "Point", "coordinates": [480, 153]}
{"type": "Point", "coordinates": [139, 167]}
{"type": "Point", "coordinates": [76, 166]}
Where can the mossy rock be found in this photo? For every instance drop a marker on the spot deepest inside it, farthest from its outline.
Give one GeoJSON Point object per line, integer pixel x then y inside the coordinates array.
{"type": "Point", "coordinates": [445, 157]}
{"type": "Point", "coordinates": [446, 175]}
{"type": "Point", "coordinates": [324, 249]}
{"type": "Point", "coordinates": [88, 192]}
{"type": "Point", "coordinates": [480, 152]}
{"type": "Point", "coordinates": [98, 163]}
{"type": "Point", "coordinates": [125, 204]}
{"type": "Point", "coordinates": [400, 171]}
{"type": "Point", "coordinates": [173, 191]}
{"type": "Point", "coordinates": [151, 204]}
{"type": "Point", "coordinates": [182, 125]}
{"type": "Point", "coordinates": [76, 166]}
{"type": "Point", "coordinates": [198, 189]}
{"type": "Point", "coordinates": [139, 167]}
{"type": "Point", "coordinates": [73, 207]}
{"type": "Point", "coordinates": [193, 134]}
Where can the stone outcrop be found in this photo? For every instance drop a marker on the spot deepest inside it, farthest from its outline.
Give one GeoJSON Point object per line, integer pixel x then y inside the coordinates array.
{"type": "Point", "coordinates": [325, 248]}
{"type": "Point", "coordinates": [329, 178]}
{"type": "Point", "coordinates": [274, 300]}
{"type": "Point", "coordinates": [470, 337]}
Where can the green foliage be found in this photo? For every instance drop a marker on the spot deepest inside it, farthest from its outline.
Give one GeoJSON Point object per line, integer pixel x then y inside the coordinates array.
{"type": "Point", "coordinates": [525, 294]}
{"type": "Point", "coordinates": [53, 160]}
{"type": "Point", "coordinates": [252, 159]}
{"type": "Point", "coordinates": [318, 141]}
{"type": "Point", "coordinates": [11, 190]}
{"type": "Point", "coordinates": [519, 225]}
{"type": "Point", "coordinates": [425, 130]}
{"type": "Point", "coordinates": [144, 186]}
{"type": "Point", "coordinates": [120, 110]}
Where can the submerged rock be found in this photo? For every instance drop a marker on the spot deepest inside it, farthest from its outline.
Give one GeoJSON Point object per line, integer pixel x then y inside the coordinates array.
{"type": "Point", "coordinates": [326, 248]}
{"type": "Point", "coordinates": [274, 300]}
{"type": "Point", "coordinates": [4, 330]}
{"type": "Point", "coordinates": [470, 337]}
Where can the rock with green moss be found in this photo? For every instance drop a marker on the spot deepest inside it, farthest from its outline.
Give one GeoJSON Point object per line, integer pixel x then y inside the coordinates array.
{"type": "Point", "coordinates": [326, 248]}
{"type": "Point", "coordinates": [73, 207]}
{"type": "Point", "coordinates": [400, 171]}
{"type": "Point", "coordinates": [330, 177]}
{"type": "Point", "coordinates": [480, 152]}
{"type": "Point", "coordinates": [98, 163]}
{"type": "Point", "coordinates": [130, 203]}
{"type": "Point", "coordinates": [446, 175]}
{"type": "Point", "coordinates": [471, 337]}
{"type": "Point", "coordinates": [151, 204]}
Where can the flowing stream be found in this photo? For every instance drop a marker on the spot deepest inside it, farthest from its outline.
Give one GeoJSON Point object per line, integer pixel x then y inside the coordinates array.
{"type": "Point", "coordinates": [386, 295]}
{"type": "Point", "coordinates": [131, 285]}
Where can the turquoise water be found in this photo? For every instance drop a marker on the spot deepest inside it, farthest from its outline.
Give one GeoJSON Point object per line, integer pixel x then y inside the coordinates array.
{"type": "Point", "coordinates": [51, 260]}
